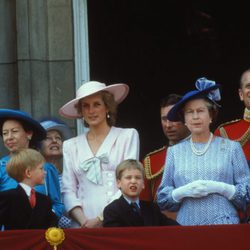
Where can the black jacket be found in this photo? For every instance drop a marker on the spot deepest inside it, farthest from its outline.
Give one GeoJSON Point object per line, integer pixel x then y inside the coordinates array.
{"type": "Point", "coordinates": [120, 214]}
{"type": "Point", "coordinates": [16, 212]}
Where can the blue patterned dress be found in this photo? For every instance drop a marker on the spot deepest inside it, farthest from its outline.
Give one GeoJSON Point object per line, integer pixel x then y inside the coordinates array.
{"type": "Point", "coordinates": [225, 162]}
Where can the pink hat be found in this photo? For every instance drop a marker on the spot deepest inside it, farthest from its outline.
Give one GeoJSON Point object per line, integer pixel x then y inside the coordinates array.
{"type": "Point", "coordinates": [119, 90]}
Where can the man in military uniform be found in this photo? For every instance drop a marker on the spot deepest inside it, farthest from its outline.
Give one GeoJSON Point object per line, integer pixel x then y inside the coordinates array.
{"type": "Point", "coordinates": [154, 162]}
{"type": "Point", "coordinates": [239, 129]}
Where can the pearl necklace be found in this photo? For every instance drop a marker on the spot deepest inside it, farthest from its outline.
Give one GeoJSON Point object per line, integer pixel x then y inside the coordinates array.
{"type": "Point", "coordinates": [204, 150]}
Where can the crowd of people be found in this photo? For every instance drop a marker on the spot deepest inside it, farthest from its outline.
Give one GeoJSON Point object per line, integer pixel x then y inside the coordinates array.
{"type": "Point", "coordinates": [96, 179]}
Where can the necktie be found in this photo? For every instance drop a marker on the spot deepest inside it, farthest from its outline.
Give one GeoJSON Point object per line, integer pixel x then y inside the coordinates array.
{"type": "Point", "coordinates": [135, 207]}
{"type": "Point", "coordinates": [32, 198]}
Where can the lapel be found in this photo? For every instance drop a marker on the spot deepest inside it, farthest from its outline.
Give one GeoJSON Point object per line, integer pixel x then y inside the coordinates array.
{"type": "Point", "coordinates": [130, 217]}
{"type": "Point", "coordinates": [24, 205]}
{"type": "Point", "coordinates": [85, 152]}
{"type": "Point", "coordinates": [109, 141]}
{"type": "Point", "coordinates": [82, 145]}
{"type": "Point", "coordinates": [24, 199]}
{"type": "Point", "coordinates": [147, 213]}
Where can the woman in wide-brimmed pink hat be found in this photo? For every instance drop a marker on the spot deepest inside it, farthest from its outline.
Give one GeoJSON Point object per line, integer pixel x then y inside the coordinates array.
{"type": "Point", "coordinates": [90, 159]}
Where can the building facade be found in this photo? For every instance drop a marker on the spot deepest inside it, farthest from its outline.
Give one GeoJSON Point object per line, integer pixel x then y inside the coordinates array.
{"type": "Point", "coordinates": [39, 71]}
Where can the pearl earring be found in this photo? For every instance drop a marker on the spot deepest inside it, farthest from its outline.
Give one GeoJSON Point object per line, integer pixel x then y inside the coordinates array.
{"type": "Point", "coordinates": [108, 116]}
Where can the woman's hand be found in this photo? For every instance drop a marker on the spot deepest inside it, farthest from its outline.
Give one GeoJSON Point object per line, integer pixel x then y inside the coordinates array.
{"type": "Point", "coordinates": [93, 223]}
{"type": "Point", "coordinates": [195, 189]}
{"type": "Point", "coordinates": [201, 188]}
{"type": "Point", "coordinates": [78, 215]}
{"type": "Point", "coordinates": [222, 188]}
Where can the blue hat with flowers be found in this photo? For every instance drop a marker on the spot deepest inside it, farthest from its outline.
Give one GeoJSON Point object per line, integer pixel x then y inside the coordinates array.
{"type": "Point", "coordinates": [204, 88]}
{"type": "Point", "coordinates": [39, 133]}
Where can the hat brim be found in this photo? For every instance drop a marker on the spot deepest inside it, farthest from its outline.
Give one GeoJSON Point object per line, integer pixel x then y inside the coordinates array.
{"type": "Point", "coordinates": [39, 133]}
{"type": "Point", "coordinates": [174, 113]}
{"type": "Point", "coordinates": [61, 128]}
{"type": "Point", "coordinates": [119, 91]}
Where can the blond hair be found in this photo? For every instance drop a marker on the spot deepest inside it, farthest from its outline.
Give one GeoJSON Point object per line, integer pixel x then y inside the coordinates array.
{"type": "Point", "coordinates": [21, 160]}
{"type": "Point", "coordinates": [128, 164]}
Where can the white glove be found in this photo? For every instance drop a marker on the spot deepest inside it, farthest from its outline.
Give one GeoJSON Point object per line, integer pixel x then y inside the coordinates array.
{"type": "Point", "coordinates": [222, 188]}
{"type": "Point", "coordinates": [195, 189]}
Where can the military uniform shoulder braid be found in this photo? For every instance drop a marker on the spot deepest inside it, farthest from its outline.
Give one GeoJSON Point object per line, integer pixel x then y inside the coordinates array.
{"type": "Point", "coordinates": [147, 165]}
{"type": "Point", "coordinates": [229, 122]}
{"type": "Point", "coordinates": [242, 140]}
{"type": "Point", "coordinates": [156, 151]}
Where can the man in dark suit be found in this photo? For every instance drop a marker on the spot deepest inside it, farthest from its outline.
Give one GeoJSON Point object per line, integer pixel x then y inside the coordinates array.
{"type": "Point", "coordinates": [22, 208]}
{"type": "Point", "coordinates": [128, 210]}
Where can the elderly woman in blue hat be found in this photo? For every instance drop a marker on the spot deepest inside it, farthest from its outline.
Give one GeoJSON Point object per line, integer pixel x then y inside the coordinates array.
{"type": "Point", "coordinates": [19, 130]}
{"type": "Point", "coordinates": [207, 177]}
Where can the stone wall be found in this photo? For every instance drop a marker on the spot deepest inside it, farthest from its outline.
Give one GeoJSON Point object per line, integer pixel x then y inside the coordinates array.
{"type": "Point", "coordinates": [36, 56]}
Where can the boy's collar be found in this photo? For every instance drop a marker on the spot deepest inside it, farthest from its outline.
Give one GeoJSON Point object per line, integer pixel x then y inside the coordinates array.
{"type": "Point", "coordinates": [132, 200]}
{"type": "Point", "coordinates": [246, 115]}
{"type": "Point", "coordinates": [26, 188]}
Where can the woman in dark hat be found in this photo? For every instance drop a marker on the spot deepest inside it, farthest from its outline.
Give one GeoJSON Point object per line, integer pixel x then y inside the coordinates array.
{"type": "Point", "coordinates": [207, 177]}
{"type": "Point", "coordinates": [19, 130]}
{"type": "Point", "coordinates": [90, 159]}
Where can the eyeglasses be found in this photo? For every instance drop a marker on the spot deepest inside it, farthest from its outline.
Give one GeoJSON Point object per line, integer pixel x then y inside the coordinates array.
{"type": "Point", "coordinates": [52, 139]}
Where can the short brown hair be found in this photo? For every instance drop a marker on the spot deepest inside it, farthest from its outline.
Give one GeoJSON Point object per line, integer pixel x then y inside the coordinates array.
{"type": "Point", "coordinates": [128, 164]}
{"type": "Point", "coordinates": [22, 160]}
{"type": "Point", "coordinates": [171, 99]}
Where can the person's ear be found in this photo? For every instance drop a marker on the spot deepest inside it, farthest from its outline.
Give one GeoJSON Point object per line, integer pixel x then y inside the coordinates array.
{"type": "Point", "coordinates": [27, 173]}
{"type": "Point", "coordinates": [29, 135]}
{"type": "Point", "coordinates": [118, 183]}
{"type": "Point", "coordinates": [241, 95]}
